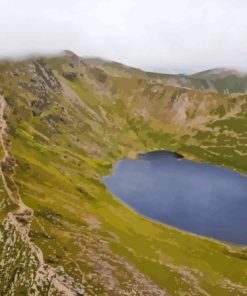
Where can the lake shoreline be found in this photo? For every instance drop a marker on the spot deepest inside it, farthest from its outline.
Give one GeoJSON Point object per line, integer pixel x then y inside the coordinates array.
{"type": "Point", "coordinates": [156, 154]}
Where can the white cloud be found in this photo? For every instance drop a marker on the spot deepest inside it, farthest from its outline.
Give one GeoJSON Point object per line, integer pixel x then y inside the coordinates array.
{"type": "Point", "coordinates": [144, 33]}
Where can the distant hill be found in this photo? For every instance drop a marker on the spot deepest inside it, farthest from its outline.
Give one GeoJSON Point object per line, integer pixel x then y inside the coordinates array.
{"type": "Point", "coordinates": [218, 73]}
{"type": "Point", "coordinates": [224, 80]}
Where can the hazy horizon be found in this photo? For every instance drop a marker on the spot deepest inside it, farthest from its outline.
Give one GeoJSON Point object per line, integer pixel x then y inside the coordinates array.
{"type": "Point", "coordinates": [182, 36]}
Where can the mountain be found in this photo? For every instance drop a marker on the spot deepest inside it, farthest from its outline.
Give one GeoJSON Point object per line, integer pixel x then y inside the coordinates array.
{"type": "Point", "coordinates": [65, 121]}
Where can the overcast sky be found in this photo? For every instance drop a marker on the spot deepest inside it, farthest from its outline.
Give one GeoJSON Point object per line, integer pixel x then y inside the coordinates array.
{"type": "Point", "coordinates": [151, 34]}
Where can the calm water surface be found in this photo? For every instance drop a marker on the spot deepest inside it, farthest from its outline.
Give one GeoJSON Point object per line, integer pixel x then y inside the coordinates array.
{"type": "Point", "coordinates": [203, 199]}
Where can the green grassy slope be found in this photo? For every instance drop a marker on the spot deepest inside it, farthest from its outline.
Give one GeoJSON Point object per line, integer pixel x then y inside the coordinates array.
{"type": "Point", "coordinates": [68, 124]}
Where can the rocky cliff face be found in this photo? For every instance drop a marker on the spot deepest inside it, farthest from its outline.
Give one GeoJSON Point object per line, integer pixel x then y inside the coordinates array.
{"type": "Point", "coordinates": [65, 121]}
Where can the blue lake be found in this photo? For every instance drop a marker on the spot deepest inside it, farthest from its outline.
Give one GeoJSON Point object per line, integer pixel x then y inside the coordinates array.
{"type": "Point", "coordinates": [199, 198]}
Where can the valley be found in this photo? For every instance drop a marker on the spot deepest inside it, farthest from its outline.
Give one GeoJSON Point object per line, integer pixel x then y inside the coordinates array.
{"type": "Point", "coordinates": [68, 122]}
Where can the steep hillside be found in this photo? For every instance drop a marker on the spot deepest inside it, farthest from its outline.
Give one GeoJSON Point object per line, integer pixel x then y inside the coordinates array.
{"type": "Point", "coordinates": [113, 68]}
{"type": "Point", "coordinates": [62, 233]}
{"type": "Point", "coordinates": [219, 80]}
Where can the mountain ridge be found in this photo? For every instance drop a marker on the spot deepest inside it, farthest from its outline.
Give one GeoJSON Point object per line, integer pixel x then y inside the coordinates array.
{"type": "Point", "coordinates": [225, 80]}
